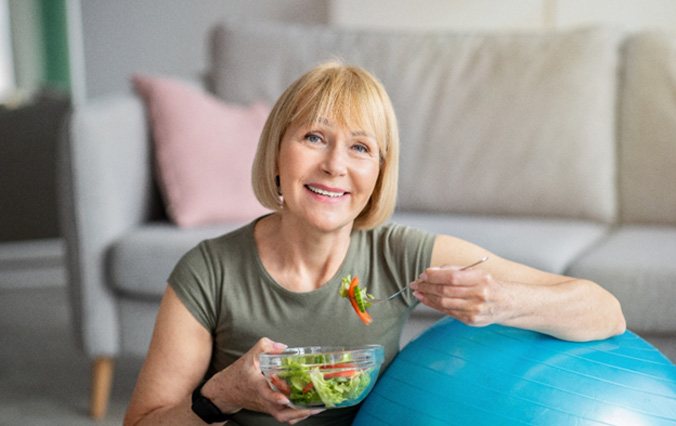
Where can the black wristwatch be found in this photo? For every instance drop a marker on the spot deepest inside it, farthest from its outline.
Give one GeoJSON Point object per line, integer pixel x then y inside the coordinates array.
{"type": "Point", "coordinates": [205, 409]}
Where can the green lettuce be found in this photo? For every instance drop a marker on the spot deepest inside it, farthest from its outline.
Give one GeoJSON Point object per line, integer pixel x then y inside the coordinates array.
{"type": "Point", "coordinates": [309, 385]}
{"type": "Point", "coordinates": [337, 390]}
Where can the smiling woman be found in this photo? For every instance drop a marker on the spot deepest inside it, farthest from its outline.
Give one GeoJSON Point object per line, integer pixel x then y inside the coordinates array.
{"type": "Point", "coordinates": [331, 96]}
{"type": "Point", "coordinates": [327, 166]}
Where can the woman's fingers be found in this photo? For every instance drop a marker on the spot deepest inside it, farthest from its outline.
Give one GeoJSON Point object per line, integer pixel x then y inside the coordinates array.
{"type": "Point", "coordinates": [468, 311]}
{"type": "Point", "coordinates": [265, 344]}
{"type": "Point", "coordinates": [449, 283]}
{"type": "Point", "coordinates": [451, 275]}
{"type": "Point", "coordinates": [293, 415]}
{"type": "Point", "coordinates": [465, 295]}
{"type": "Point", "coordinates": [309, 413]}
{"type": "Point", "coordinates": [271, 396]}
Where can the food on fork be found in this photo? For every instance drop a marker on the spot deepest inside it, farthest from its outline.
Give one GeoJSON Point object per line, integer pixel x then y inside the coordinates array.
{"type": "Point", "coordinates": [358, 297]}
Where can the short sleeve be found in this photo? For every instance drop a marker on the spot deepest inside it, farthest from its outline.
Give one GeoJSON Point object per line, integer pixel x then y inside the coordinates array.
{"type": "Point", "coordinates": [408, 252]}
{"type": "Point", "coordinates": [195, 285]}
{"type": "Point", "coordinates": [410, 246]}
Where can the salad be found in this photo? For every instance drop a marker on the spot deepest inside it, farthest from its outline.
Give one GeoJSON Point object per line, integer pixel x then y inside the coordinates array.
{"type": "Point", "coordinates": [307, 381]}
{"type": "Point", "coordinates": [358, 297]}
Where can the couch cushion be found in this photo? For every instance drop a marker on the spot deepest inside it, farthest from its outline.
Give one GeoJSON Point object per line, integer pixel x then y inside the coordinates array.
{"type": "Point", "coordinates": [647, 129]}
{"type": "Point", "coordinates": [204, 149]}
{"type": "Point", "coordinates": [140, 262]}
{"type": "Point", "coordinates": [636, 264]}
{"type": "Point", "coordinates": [546, 244]}
{"type": "Point", "coordinates": [490, 123]}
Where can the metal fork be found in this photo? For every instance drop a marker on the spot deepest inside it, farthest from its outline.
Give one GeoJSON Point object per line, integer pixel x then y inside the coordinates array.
{"type": "Point", "coordinates": [392, 296]}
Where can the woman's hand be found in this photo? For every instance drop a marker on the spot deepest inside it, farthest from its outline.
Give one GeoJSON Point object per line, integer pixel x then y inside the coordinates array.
{"type": "Point", "coordinates": [241, 385]}
{"type": "Point", "coordinates": [515, 295]}
{"type": "Point", "coordinates": [472, 296]}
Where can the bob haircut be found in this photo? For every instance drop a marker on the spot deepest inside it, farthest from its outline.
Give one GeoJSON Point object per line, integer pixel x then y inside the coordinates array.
{"type": "Point", "coordinates": [350, 96]}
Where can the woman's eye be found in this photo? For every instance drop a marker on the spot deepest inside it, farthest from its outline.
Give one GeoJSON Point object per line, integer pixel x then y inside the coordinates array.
{"type": "Point", "coordinates": [313, 138]}
{"type": "Point", "coordinates": [360, 148]}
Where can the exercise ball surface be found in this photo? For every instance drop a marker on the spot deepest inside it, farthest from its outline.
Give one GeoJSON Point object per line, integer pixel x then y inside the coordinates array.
{"type": "Point", "coordinates": [453, 374]}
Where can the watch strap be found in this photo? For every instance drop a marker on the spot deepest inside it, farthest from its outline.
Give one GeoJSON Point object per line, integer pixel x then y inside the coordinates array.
{"type": "Point", "coordinates": [205, 409]}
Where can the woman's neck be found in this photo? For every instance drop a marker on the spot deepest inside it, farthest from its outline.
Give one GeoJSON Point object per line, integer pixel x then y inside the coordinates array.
{"type": "Point", "coordinates": [298, 258]}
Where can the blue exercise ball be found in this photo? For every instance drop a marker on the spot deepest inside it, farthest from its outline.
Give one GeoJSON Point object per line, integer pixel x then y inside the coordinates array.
{"type": "Point", "coordinates": [453, 374]}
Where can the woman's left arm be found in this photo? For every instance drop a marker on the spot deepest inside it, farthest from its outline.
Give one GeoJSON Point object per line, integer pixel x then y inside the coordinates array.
{"type": "Point", "coordinates": [508, 293]}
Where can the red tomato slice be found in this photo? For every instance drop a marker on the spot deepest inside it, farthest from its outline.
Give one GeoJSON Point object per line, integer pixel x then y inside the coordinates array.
{"type": "Point", "coordinates": [280, 384]}
{"type": "Point", "coordinates": [340, 365]}
{"type": "Point", "coordinates": [365, 317]}
{"type": "Point", "coordinates": [308, 387]}
{"type": "Point", "coordinates": [344, 373]}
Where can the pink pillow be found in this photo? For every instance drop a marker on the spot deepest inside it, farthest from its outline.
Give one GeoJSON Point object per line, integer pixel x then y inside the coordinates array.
{"type": "Point", "coordinates": [204, 149]}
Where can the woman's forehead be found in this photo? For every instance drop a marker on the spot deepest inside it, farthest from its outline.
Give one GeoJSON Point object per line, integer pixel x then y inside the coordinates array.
{"type": "Point", "coordinates": [358, 127]}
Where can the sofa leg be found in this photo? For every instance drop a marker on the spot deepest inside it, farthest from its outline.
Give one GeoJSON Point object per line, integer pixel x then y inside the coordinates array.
{"type": "Point", "coordinates": [102, 380]}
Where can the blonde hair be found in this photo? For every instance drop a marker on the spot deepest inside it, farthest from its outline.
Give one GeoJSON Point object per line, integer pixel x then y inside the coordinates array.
{"type": "Point", "coordinates": [352, 97]}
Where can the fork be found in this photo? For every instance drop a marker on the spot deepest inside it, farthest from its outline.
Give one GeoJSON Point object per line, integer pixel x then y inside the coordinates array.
{"type": "Point", "coordinates": [392, 296]}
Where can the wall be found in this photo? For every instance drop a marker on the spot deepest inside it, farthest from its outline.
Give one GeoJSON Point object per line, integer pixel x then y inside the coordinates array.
{"type": "Point", "coordinates": [7, 80]}
{"type": "Point", "coordinates": [438, 14]}
{"type": "Point", "coordinates": [26, 33]}
{"type": "Point", "coordinates": [502, 14]}
{"type": "Point", "coordinates": [167, 36]}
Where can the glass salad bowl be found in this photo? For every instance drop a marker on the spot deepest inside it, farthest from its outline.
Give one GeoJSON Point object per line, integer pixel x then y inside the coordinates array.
{"type": "Point", "coordinates": [323, 376]}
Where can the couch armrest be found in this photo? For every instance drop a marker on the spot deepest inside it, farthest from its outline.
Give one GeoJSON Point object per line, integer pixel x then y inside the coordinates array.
{"type": "Point", "coordinates": [105, 188]}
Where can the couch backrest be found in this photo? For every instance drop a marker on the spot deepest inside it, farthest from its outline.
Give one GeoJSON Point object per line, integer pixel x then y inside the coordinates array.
{"type": "Point", "coordinates": [490, 123]}
{"type": "Point", "coordinates": [647, 132]}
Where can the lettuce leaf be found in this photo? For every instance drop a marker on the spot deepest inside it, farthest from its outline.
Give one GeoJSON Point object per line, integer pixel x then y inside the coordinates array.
{"type": "Point", "coordinates": [330, 392]}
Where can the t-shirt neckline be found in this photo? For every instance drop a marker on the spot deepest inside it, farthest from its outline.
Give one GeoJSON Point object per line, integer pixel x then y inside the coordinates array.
{"type": "Point", "coordinates": [331, 285]}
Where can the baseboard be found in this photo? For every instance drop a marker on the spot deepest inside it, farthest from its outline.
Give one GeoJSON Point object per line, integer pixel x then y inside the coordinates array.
{"type": "Point", "coordinates": [32, 263]}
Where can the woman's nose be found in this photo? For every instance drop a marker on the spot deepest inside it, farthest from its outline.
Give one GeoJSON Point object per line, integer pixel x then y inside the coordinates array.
{"type": "Point", "coordinates": [335, 162]}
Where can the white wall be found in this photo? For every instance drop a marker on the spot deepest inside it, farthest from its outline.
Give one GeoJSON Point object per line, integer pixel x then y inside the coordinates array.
{"type": "Point", "coordinates": [502, 14]}
{"type": "Point", "coordinates": [121, 37]}
{"type": "Point", "coordinates": [7, 82]}
{"type": "Point", "coordinates": [26, 37]}
{"type": "Point", "coordinates": [437, 14]}
{"type": "Point", "coordinates": [630, 14]}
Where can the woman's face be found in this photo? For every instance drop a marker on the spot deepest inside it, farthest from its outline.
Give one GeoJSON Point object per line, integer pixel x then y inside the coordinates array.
{"type": "Point", "coordinates": [327, 172]}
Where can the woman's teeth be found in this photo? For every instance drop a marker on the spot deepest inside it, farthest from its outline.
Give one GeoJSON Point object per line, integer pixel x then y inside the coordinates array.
{"type": "Point", "coordinates": [324, 192]}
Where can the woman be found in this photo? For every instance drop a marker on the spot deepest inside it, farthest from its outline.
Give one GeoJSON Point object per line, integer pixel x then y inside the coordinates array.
{"type": "Point", "coordinates": [327, 165]}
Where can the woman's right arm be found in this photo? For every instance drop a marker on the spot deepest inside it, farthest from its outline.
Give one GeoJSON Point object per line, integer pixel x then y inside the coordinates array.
{"type": "Point", "coordinates": [178, 358]}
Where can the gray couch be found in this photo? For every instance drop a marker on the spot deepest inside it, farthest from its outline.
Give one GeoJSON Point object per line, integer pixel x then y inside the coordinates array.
{"type": "Point", "coordinates": [554, 149]}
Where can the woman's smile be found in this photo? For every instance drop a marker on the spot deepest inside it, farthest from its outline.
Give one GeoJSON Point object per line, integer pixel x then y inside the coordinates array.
{"type": "Point", "coordinates": [325, 191]}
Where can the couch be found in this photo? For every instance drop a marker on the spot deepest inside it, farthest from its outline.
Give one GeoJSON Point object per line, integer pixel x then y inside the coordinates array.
{"type": "Point", "coordinates": [556, 149]}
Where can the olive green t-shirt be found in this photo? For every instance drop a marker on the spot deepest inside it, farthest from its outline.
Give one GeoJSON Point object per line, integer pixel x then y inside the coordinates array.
{"type": "Point", "coordinates": [224, 284]}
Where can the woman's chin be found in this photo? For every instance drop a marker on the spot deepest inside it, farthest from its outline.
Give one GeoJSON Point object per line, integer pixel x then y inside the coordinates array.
{"type": "Point", "coordinates": [329, 223]}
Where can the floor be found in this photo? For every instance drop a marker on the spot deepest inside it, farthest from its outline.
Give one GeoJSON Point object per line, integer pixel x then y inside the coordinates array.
{"type": "Point", "coordinates": [44, 379]}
